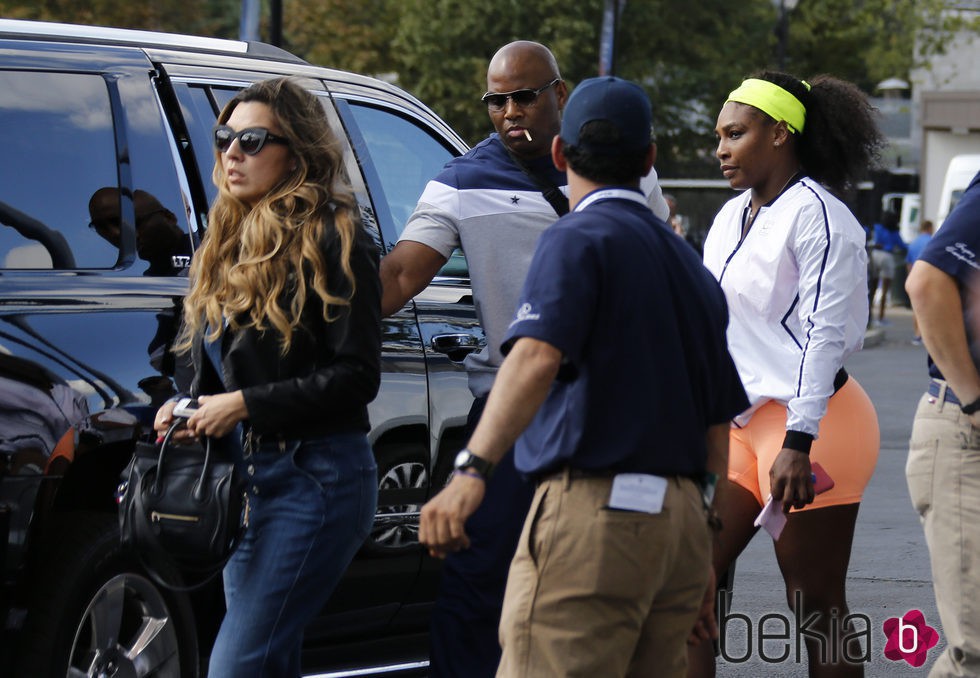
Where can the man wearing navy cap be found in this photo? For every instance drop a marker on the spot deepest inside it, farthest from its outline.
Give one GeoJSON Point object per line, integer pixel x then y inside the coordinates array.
{"type": "Point", "coordinates": [493, 203]}
{"type": "Point", "coordinates": [618, 376]}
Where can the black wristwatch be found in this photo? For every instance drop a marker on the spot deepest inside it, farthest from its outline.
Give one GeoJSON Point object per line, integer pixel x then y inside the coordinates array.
{"type": "Point", "coordinates": [970, 408]}
{"type": "Point", "coordinates": [467, 460]}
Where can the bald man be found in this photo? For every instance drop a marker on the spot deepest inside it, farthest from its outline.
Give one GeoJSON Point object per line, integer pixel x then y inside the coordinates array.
{"type": "Point", "coordinates": [492, 203]}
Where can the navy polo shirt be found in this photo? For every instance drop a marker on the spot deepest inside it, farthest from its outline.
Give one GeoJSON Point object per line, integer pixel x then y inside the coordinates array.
{"type": "Point", "coordinates": [641, 327]}
{"type": "Point", "coordinates": [955, 250]}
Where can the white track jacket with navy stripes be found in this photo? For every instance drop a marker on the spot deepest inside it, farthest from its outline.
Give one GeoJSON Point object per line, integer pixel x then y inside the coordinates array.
{"type": "Point", "coordinates": [797, 295]}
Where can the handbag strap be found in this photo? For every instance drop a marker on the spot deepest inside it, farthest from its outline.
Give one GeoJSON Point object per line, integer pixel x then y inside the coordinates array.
{"type": "Point", "coordinates": [158, 578]}
{"type": "Point", "coordinates": [551, 192]}
{"type": "Point", "coordinates": [165, 443]}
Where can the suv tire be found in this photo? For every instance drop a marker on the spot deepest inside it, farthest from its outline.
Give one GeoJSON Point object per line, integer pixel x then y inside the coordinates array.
{"type": "Point", "coordinates": [97, 614]}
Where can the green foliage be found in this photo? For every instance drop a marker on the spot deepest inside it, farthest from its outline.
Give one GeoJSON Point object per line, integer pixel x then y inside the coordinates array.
{"type": "Point", "coordinates": [442, 48]}
{"type": "Point", "coordinates": [352, 35]}
{"type": "Point", "coordinates": [217, 18]}
{"type": "Point", "coordinates": [864, 42]}
{"type": "Point", "coordinates": [687, 63]}
{"type": "Point", "coordinates": [688, 55]}
{"type": "Point", "coordinates": [867, 41]}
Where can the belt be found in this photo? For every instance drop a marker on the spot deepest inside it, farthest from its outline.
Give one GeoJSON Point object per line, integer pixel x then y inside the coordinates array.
{"type": "Point", "coordinates": [251, 441]}
{"type": "Point", "coordinates": [936, 386]}
{"type": "Point", "coordinates": [579, 473]}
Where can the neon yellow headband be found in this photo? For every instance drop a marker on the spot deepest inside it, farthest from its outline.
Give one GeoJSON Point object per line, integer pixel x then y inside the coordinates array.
{"type": "Point", "coordinates": [772, 100]}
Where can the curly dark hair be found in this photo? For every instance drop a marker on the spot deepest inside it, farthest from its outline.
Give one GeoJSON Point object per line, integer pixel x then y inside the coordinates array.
{"type": "Point", "coordinates": [841, 138]}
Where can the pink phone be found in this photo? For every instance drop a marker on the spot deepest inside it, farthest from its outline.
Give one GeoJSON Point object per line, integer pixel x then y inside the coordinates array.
{"type": "Point", "coordinates": [821, 481]}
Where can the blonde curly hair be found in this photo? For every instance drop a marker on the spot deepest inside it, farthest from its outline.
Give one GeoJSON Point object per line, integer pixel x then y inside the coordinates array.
{"type": "Point", "coordinates": [255, 265]}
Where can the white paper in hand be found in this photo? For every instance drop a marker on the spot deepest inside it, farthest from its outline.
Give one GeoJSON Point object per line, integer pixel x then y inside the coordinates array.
{"type": "Point", "coordinates": [772, 519]}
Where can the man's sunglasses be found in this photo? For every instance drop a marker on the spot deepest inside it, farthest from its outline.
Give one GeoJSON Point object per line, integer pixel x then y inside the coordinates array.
{"type": "Point", "coordinates": [521, 97]}
{"type": "Point", "coordinates": [250, 140]}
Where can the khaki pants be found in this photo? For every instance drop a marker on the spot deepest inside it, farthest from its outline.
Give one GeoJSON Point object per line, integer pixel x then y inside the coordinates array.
{"type": "Point", "coordinates": [943, 474]}
{"type": "Point", "coordinates": [598, 592]}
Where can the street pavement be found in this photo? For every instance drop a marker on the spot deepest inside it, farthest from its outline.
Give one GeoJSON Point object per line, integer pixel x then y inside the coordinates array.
{"type": "Point", "coordinates": [889, 573]}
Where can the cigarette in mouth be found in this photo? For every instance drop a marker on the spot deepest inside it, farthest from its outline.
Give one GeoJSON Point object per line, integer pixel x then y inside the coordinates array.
{"type": "Point", "coordinates": [527, 135]}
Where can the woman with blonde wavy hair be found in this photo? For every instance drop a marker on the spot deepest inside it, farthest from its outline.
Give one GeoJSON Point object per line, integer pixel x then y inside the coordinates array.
{"type": "Point", "coordinates": [283, 326]}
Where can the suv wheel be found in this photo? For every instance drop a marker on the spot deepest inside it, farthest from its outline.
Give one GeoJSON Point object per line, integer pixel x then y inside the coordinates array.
{"type": "Point", "coordinates": [401, 528]}
{"type": "Point", "coordinates": [96, 614]}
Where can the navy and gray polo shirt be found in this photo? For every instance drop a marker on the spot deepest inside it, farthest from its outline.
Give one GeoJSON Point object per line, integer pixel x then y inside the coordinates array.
{"type": "Point", "coordinates": [485, 204]}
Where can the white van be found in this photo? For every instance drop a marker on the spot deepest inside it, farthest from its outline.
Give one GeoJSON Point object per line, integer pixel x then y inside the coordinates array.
{"type": "Point", "coordinates": [907, 207]}
{"type": "Point", "coordinates": [961, 170]}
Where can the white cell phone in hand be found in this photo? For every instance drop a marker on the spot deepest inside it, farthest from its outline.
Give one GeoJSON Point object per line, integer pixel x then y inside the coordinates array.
{"type": "Point", "coordinates": [186, 407]}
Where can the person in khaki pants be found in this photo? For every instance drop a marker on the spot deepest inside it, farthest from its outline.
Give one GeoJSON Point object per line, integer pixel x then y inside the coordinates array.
{"type": "Point", "coordinates": [619, 383]}
{"type": "Point", "coordinates": [943, 469]}
{"type": "Point", "coordinates": [493, 203]}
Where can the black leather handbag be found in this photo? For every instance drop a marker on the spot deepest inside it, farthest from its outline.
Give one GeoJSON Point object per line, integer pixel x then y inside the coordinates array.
{"type": "Point", "coordinates": [182, 509]}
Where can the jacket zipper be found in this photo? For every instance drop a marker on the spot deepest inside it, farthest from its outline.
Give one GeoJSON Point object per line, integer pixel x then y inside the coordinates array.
{"type": "Point", "coordinates": [744, 235]}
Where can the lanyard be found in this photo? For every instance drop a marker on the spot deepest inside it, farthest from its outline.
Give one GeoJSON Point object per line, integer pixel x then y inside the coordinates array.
{"type": "Point", "coordinates": [610, 194]}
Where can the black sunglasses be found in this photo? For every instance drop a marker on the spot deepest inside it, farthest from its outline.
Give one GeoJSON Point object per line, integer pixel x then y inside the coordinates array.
{"type": "Point", "coordinates": [250, 140]}
{"type": "Point", "coordinates": [521, 97]}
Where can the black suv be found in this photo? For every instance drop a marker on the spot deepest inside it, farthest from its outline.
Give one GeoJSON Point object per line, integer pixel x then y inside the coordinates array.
{"type": "Point", "coordinates": [95, 119]}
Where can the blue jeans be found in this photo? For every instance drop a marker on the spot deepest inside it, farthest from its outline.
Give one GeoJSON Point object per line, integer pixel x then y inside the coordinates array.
{"type": "Point", "coordinates": [312, 504]}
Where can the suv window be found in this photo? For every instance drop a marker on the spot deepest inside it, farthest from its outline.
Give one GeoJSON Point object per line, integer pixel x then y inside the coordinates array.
{"type": "Point", "coordinates": [49, 144]}
{"type": "Point", "coordinates": [69, 151]}
{"type": "Point", "coordinates": [201, 103]}
{"type": "Point", "coordinates": [405, 157]}
{"type": "Point", "coordinates": [200, 113]}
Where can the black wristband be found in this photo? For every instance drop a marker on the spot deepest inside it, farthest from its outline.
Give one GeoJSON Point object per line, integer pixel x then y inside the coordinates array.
{"type": "Point", "coordinates": [970, 408]}
{"type": "Point", "coordinates": [467, 460]}
{"type": "Point", "coordinates": [799, 441]}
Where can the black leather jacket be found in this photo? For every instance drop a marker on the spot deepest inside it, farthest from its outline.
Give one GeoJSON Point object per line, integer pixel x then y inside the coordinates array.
{"type": "Point", "coordinates": [332, 370]}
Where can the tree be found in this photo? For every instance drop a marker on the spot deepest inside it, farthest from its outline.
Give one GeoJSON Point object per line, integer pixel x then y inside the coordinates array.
{"type": "Point", "coordinates": [218, 18]}
{"type": "Point", "coordinates": [688, 55]}
{"type": "Point", "coordinates": [442, 48]}
{"type": "Point", "coordinates": [687, 62]}
{"type": "Point", "coordinates": [352, 35]}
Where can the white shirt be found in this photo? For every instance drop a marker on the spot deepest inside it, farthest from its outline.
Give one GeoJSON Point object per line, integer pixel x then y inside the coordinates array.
{"type": "Point", "coordinates": [797, 293]}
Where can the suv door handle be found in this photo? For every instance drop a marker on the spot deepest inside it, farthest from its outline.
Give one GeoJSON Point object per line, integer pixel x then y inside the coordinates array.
{"type": "Point", "coordinates": [456, 346]}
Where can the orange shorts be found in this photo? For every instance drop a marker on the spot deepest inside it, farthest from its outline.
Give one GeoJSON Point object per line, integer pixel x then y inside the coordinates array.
{"type": "Point", "coordinates": [846, 447]}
